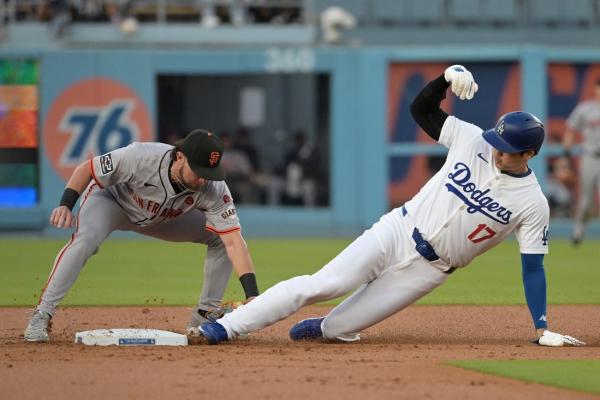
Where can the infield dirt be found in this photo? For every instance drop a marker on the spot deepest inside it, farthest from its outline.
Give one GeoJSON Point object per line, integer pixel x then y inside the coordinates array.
{"type": "Point", "coordinates": [401, 358]}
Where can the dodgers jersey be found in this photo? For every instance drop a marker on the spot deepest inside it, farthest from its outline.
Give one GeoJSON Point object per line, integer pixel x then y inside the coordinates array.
{"type": "Point", "coordinates": [137, 176]}
{"type": "Point", "coordinates": [469, 206]}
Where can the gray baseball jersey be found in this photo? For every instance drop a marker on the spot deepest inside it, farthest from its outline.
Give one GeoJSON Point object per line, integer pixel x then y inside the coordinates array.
{"type": "Point", "coordinates": [585, 118]}
{"type": "Point", "coordinates": [138, 178]}
{"type": "Point", "coordinates": [131, 191]}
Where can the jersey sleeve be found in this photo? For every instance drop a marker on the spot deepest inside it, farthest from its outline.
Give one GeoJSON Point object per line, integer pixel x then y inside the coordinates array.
{"type": "Point", "coordinates": [114, 167]}
{"type": "Point", "coordinates": [221, 216]}
{"type": "Point", "coordinates": [576, 118]}
{"type": "Point", "coordinates": [456, 132]}
{"type": "Point", "coordinates": [532, 233]}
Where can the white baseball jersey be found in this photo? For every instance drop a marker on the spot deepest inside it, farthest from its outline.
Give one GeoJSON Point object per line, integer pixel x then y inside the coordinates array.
{"type": "Point", "coordinates": [470, 206]}
{"type": "Point", "coordinates": [585, 118]}
{"type": "Point", "coordinates": [137, 176]}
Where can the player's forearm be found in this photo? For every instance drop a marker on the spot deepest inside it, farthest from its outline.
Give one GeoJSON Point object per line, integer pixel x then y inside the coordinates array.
{"type": "Point", "coordinates": [77, 183]}
{"type": "Point", "coordinates": [534, 282]}
{"type": "Point", "coordinates": [238, 253]}
{"type": "Point", "coordinates": [240, 258]}
{"type": "Point", "coordinates": [80, 178]}
{"type": "Point", "coordinates": [426, 110]}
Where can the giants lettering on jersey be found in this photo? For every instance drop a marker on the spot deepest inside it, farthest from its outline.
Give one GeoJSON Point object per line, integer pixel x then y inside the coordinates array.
{"type": "Point", "coordinates": [476, 200]}
{"type": "Point", "coordinates": [228, 213]}
{"type": "Point", "coordinates": [154, 207]}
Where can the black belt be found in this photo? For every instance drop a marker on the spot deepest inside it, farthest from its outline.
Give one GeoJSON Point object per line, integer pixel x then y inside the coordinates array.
{"type": "Point", "coordinates": [425, 248]}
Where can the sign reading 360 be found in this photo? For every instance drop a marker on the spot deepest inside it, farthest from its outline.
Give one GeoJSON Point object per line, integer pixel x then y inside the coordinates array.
{"type": "Point", "coordinates": [92, 117]}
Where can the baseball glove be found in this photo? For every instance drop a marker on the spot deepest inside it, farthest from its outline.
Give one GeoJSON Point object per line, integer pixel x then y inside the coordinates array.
{"type": "Point", "coordinates": [203, 316]}
{"type": "Point", "coordinates": [218, 312]}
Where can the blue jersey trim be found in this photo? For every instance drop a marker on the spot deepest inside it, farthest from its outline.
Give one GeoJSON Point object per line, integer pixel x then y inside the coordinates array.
{"type": "Point", "coordinates": [523, 175]}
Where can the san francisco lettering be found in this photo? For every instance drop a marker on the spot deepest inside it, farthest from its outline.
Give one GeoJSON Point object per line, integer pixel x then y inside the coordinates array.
{"type": "Point", "coordinates": [476, 200]}
{"type": "Point", "coordinates": [154, 207]}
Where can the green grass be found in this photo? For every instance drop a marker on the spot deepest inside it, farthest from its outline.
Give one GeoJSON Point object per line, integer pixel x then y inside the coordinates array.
{"type": "Point", "coordinates": [129, 272]}
{"type": "Point", "coordinates": [569, 374]}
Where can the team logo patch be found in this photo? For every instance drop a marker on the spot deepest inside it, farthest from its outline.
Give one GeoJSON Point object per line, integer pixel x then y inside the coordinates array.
{"type": "Point", "coordinates": [545, 236]}
{"type": "Point", "coordinates": [106, 164]}
{"type": "Point", "coordinates": [189, 200]}
{"type": "Point", "coordinates": [226, 199]}
{"type": "Point", "coordinates": [214, 158]}
{"type": "Point", "coordinates": [500, 128]}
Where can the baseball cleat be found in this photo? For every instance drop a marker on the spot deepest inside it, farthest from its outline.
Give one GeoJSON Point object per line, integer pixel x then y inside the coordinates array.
{"type": "Point", "coordinates": [307, 329]}
{"type": "Point", "coordinates": [38, 327]}
{"type": "Point", "coordinates": [213, 332]}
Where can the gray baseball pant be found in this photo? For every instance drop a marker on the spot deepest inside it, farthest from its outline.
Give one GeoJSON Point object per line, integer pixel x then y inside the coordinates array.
{"type": "Point", "coordinates": [99, 215]}
{"type": "Point", "coordinates": [590, 184]}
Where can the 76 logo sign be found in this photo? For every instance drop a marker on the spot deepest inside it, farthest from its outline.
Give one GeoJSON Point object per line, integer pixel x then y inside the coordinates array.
{"type": "Point", "coordinates": [97, 130]}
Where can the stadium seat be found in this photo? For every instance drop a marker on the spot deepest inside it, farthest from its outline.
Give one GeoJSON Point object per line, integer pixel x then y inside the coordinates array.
{"type": "Point", "coordinates": [427, 11]}
{"type": "Point", "coordinates": [503, 12]}
{"type": "Point", "coordinates": [561, 12]}
{"type": "Point", "coordinates": [578, 11]}
{"type": "Point", "coordinates": [465, 11]}
{"type": "Point", "coordinates": [390, 11]}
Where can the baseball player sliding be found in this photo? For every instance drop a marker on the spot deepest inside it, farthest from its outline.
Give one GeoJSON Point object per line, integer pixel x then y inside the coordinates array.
{"type": "Point", "coordinates": [483, 192]}
{"type": "Point", "coordinates": [174, 193]}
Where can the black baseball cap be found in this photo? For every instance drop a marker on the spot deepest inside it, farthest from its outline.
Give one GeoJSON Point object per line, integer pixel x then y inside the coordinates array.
{"type": "Point", "coordinates": [204, 151]}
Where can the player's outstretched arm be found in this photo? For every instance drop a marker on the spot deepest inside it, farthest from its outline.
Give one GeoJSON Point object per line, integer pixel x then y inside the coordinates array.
{"type": "Point", "coordinates": [62, 216]}
{"type": "Point", "coordinates": [238, 253]}
{"type": "Point", "coordinates": [426, 110]}
{"type": "Point", "coordinates": [534, 281]}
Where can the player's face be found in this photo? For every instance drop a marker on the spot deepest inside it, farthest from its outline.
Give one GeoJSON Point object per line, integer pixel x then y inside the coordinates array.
{"type": "Point", "coordinates": [184, 173]}
{"type": "Point", "coordinates": [515, 163]}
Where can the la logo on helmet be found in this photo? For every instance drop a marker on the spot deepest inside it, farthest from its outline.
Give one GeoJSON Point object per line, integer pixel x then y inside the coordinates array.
{"type": "Point", "coordinates": [500, 128]}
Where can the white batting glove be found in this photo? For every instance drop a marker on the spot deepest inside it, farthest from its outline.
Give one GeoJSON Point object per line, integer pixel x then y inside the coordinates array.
{"type": "Point", "coordinates": [554, 339]}
{"type": "Point", "coordinates": [463, 84]}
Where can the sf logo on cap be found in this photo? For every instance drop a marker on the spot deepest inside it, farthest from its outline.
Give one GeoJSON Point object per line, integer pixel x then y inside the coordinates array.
{"type": "Point", "coordinates": [214, 158]}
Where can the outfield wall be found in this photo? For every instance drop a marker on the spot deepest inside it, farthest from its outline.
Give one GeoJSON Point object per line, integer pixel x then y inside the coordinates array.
{"type": "Point", "coordinates": [377, 154]}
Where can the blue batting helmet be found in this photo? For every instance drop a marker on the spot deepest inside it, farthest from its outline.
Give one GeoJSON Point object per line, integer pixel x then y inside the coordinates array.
{"type": "Point", "coordinates": [515, 132]}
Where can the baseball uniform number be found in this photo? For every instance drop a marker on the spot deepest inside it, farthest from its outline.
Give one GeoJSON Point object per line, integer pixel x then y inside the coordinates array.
{"type": "Point", "coordinates": [481, 233]}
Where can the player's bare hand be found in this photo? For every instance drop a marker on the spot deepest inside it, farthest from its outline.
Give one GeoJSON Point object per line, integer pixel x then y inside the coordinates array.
{"type": "Point", "coordinates": [62, 217]}
{"type": "Point", "coordinates": [554, 339]}
{"type": "Point", "coordinates": [463, 85]}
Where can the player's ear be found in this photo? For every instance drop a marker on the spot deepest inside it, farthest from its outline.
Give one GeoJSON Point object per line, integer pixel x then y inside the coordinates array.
{"type": "Point", "coordinates": [529, 154]}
